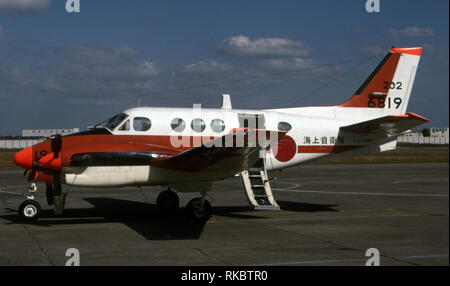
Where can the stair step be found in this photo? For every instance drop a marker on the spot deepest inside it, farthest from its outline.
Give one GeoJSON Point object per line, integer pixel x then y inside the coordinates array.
{"type": "Point", "coordinates": [267, 208]}
{"type": "Point", "coordinates": [257, 189]}
{"type": "Point", "coordinates": [258, 186]}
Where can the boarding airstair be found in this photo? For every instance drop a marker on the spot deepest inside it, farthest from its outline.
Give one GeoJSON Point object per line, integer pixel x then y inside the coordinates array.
{"type": "Point", "coordinates": [257, 187]}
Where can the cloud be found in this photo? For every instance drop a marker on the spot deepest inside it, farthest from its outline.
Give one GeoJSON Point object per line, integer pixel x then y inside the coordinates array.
{"type": "Point", "coordinates": [24, 5]}
{"type": "Point", "coordinates": [106, 63]}
{"type": "Point", "coordinates": [286, 64]}
{"type": "Point", "coordinates": [242, 46]}
{"type": "Point", "coordinates": [207, 67]}
{"type": "Point", "coordinates": [413, 32]}
{"type": "Point", "coordinates": [81, 72]}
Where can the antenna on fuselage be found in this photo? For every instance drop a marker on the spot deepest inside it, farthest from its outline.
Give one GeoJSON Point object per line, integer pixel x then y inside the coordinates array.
{"type": "Point", "coordinates": [139, 101]}
{"type": "Point", "coordinates": [226, 101]}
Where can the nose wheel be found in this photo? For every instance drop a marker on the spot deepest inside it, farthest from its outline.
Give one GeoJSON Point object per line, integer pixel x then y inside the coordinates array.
{"type": "Point", "coordinates": [29, 210]}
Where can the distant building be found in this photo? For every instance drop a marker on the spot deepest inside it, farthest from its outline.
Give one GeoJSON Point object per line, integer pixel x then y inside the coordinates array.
{"type": "Point", "coordinates": [426, 136]}
{"type": "Point", "coordinates": [48, 132]}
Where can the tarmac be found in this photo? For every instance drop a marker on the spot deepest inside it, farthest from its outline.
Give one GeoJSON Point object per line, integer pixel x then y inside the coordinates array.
{"type": "Point", "coordinates": [330, 215]}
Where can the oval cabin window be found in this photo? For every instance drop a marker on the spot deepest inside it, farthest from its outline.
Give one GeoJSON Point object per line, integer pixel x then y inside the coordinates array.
{"type": "Point", "coordinates": [217, 125]}
{"type": "Point", "coordinates": [284, 126]}
{"type": "Point", "coordinates": [177, 124]}
{"type": "Point", "coordinates": [198, 125]}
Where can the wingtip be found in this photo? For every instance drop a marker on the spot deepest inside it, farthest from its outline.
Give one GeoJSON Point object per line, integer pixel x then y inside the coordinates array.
{"type": "Point", "coordinates": [418, 117]}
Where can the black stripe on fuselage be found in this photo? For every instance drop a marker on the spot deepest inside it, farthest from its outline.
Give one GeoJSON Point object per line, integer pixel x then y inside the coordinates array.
{"type": "Point", "coordinates": [113, 159]}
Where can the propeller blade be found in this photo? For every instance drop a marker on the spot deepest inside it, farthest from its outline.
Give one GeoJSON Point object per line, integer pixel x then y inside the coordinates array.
{"type": "Point", "coordinates": [56, 143]}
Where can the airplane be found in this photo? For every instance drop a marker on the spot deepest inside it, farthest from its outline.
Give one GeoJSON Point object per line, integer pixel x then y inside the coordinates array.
{"type": "Point", "coordinates": [186, 149]}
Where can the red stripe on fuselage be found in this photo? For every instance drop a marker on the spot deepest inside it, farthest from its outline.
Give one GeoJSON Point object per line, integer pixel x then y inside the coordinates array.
{"type": "Point", "coordinates": [124, 143]}
{"type": "Point", "coordinates": [326, 149]}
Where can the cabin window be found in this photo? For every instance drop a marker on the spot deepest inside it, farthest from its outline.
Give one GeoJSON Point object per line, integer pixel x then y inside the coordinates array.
{"type": "Point", "coordinates": [284, 126]}
{"type": "Point", "coordinates": [198, 125]}
{"type": "Point", "coordinates": [217, 125]}
{"type": "Point", "coordinates": [125, 126]}
{"type": "Point", "coordinates": [141, 124]}
{"type": "Point", "coordinates": [178, 124]}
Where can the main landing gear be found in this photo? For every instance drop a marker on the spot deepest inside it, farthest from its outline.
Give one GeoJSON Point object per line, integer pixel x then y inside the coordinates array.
{"type": "Point", "coordinates": [198, 209]}
{"type": "Point", "coordinates": [168, 201]}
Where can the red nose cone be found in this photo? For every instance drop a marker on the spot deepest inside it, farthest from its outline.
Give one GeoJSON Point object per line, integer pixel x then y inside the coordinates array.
{"type": "Point", "coordinates": [24, 158]}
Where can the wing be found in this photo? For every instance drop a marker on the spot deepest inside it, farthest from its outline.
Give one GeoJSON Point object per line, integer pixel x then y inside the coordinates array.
{"type": "Point", "coordinates": [390, 125]}
{"type": "Point", "coordinates": [232, 152]}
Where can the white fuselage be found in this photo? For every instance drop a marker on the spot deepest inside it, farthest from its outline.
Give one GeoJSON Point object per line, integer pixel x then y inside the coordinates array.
{"type": "Point", "coordinates": [314, 133]}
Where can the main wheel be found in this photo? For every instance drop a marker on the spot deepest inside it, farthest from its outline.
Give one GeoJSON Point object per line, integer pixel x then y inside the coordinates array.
{"type": "Point", "coordinates": [197, 212]}
{"type": "Point", "coordinates": [29, 210]}
{"type": "Point", "coordinates": [168, 201]}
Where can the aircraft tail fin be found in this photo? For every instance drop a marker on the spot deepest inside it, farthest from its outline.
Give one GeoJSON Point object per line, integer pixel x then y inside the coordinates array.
{"type": "Point", "coordinates": [388, 87]}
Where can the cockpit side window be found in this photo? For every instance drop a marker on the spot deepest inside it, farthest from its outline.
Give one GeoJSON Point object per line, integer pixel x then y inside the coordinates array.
{"type": "Point", "coordinates": [113, 122]}
{"type": "Point", "coordinates": [141, 124]}
{"type": "Point", "coordinates": [125, 126]}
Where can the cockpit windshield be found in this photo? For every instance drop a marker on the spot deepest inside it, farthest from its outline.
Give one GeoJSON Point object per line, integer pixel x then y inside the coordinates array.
{"type": "Point", "coordinates": [113, 122]}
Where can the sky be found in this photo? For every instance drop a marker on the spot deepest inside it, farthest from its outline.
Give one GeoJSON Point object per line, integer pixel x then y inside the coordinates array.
{"type": "Point", "coordinates": [66, 70]}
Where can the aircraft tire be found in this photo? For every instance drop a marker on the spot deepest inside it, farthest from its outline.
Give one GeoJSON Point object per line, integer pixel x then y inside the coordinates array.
{"type": "Point", "coordinates": [168, 201]}
{"type": "Point", "coordinates": [196, 213]}
{"type": "Point", "coordinates": [29, 210]}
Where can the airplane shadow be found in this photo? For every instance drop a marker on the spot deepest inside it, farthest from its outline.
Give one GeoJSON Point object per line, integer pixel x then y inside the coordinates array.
{"type": "Point", "coordinates": [305, 207]}
{"type": "Point", "coordinates": [146, 219]}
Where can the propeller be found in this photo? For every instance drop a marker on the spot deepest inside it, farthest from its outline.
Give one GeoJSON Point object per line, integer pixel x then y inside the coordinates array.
{"type": "Point", "coordinates": [51, 163]}
{"type": "Point", "coordinates": [54, 189]}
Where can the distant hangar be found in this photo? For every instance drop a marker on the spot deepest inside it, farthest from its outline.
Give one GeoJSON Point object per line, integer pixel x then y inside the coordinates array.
{"type": "Point", "coordinates": [48, 132]}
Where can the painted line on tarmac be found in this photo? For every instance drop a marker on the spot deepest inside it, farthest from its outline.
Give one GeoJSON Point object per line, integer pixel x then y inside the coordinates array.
{"type": "Point", "coordinates": [10, 193]}
{"type": "Point", "coordinates": [347, 260]}
{"type": "Point", "coordinates": [361, 193]}
{"type": "Point", "coordinates": [309, 262]}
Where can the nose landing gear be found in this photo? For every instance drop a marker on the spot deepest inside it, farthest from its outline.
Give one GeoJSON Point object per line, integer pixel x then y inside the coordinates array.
{"type": "Point", "coordinates": [29, 210]}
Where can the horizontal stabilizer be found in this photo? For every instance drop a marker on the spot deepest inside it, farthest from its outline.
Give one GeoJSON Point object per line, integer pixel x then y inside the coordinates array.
{"type": "Point", "coordinates": [390, 125]}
